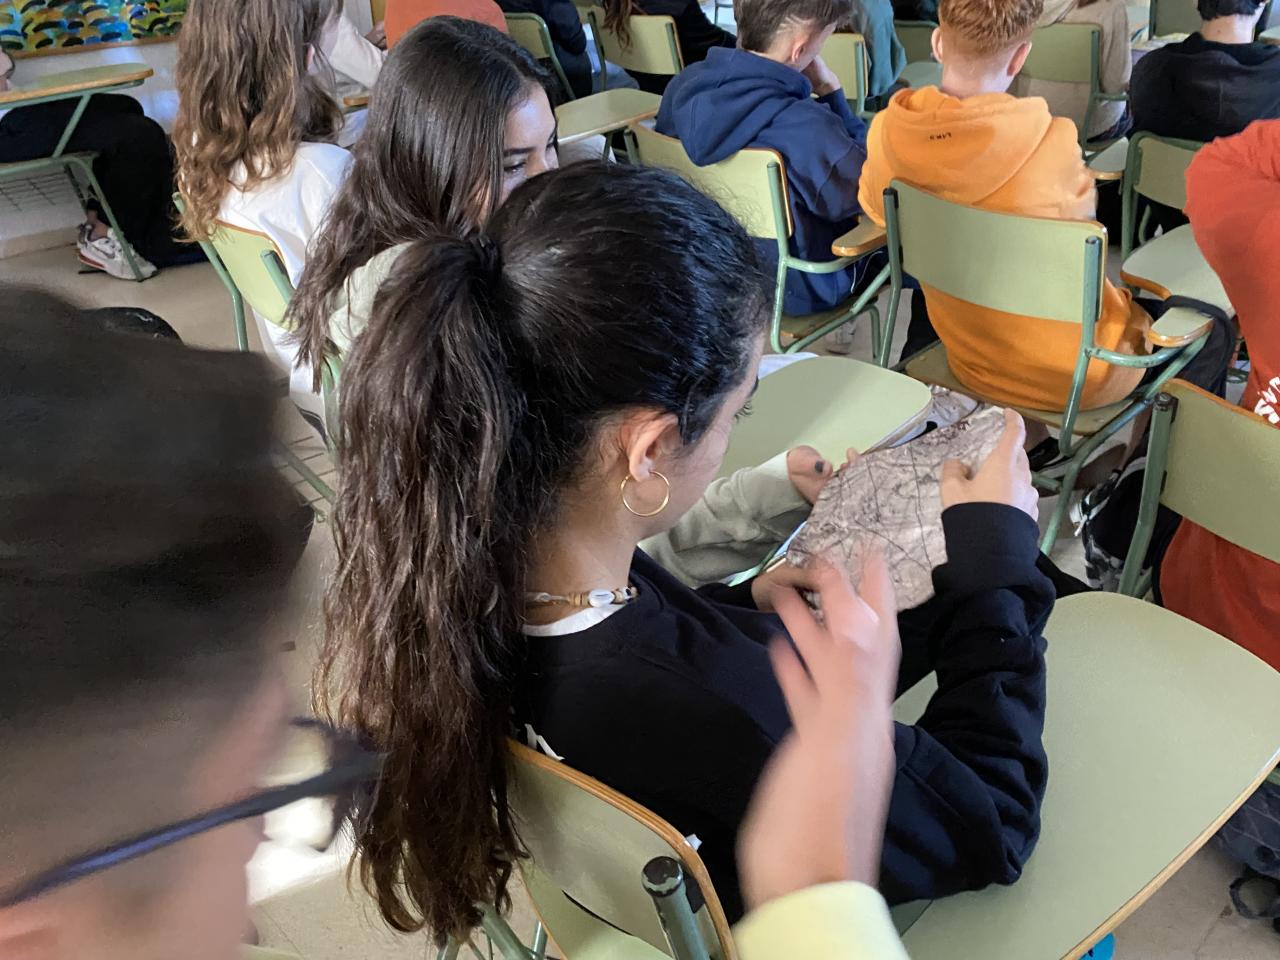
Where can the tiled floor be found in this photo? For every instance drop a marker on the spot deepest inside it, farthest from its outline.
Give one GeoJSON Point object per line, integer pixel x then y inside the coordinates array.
{"type": "Point", "coordinates": [302, 898]}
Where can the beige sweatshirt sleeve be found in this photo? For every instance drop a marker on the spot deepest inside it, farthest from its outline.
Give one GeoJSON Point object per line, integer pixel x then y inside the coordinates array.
{"type": "Point", "coordinates": [737, 523]}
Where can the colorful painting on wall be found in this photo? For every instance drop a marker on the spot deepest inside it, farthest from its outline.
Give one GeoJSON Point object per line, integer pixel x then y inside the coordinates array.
{"type": "Point", "coordinates": [45, 26]}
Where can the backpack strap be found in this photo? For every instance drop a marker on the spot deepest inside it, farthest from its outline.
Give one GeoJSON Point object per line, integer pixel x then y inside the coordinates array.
{"type": "Point", "coordinates": [1211, 310]}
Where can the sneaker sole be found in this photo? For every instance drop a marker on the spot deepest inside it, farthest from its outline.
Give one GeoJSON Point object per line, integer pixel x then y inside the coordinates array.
{"type": "Point", "coordinates": [127, 274]}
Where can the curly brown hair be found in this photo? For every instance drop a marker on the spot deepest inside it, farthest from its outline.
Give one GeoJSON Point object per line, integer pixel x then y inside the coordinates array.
{"type": "Point", "coordinates": [246, 97]}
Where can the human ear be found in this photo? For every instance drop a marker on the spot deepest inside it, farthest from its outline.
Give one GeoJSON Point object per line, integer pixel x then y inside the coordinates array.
{"type": "Point", "coordinates": [935, 41]}
{"type": "Point", "coordinates": [648, 439]}
{"type": "Point", "coordinates": [1019, 58]}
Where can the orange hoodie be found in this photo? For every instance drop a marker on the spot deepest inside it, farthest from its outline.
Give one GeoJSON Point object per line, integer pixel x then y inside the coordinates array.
{"type": "Point", "coordinates": [1007, 154]}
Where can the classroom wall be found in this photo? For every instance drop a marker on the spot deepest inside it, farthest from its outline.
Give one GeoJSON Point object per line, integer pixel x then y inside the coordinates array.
{"type": "Point", "coordinates": [53, 225]}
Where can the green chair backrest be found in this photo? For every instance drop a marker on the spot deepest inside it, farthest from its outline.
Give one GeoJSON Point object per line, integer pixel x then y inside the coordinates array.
{"type": "Point", "coordinates": [846, 55]}
{"type": "Point", "coordinates": [530, 31]}
{"type": "Point", "coordinates": [916, 37]}
{"type": "Point", "coordinates": [1155, 168]}
{"type": "Point", "coordinates": [1064, 52]}
{"type": "Point", "coordinates": [751, 184]}
{"type": "Point", "coordinates": [589, 843]}
{"type": "Point", "coordinates": [254, 265]}
{"type": "Point", "coordinates": [1052, 269]}
{"type": "Point", "coordinates": [652, 47]}
{"type": "Point", "coordinates": [1158, 168]}
{"type": "Point", "coordinates": [1174, 16]}
{"type": "Point", "coordinates": [1221, 470]}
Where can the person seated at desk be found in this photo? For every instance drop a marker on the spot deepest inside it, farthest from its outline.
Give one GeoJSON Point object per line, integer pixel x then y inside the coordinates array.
{"type": "Point", "coordinates": [696, 34]}
{"type": "Point", "coordinates": [134, 167]}
{"type": "Point", "coordinates": [969, 141]}
{"type": "Point", "coordinates": [1115, 60]}
{"type": "Point", "coordinates": [1212, 84]}
{"type": "Point", "coordinates": [524, 407]}
{"type": "Point", "coordinates": [762, 95]}
{"type": "Point", "coordinates": [255, 139]}
{"type": "Point", "coordinates": [1233, 201]}
{"type": "Point", "coordinates": [568, 38]}
{"type": "Point", "coordinates": [139, 677]}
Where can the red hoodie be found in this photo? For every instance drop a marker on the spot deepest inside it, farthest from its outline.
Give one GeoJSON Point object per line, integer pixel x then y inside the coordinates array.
{"type": "Point", "coordinates": [1233, 200]}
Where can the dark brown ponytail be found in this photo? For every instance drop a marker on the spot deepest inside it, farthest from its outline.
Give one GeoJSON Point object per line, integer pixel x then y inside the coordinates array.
{"type": "Point", "coordinates": [467, 407]}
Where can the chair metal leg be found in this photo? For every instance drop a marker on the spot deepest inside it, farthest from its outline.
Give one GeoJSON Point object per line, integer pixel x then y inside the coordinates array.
{"type": "Point", "coordinates": [504, 938]}
{"type": "Point", "coordinates": [663, 879]}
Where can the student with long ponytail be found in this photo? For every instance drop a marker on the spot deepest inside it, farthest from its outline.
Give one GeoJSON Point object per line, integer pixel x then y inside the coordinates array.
{"type": "Point", "coordinates": [524, 408]}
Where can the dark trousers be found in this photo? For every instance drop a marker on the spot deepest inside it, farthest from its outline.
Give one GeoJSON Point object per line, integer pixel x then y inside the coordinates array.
{"type": "Point", "coordinates": [134, 165]}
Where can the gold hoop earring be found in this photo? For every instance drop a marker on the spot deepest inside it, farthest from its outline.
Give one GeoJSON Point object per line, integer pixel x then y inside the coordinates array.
{"type": "Point", "coordinates": [666, 497]}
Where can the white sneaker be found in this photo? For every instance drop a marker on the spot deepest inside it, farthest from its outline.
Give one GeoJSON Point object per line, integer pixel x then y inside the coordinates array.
{"type": "Point", "coordinates": [107, 254]}
{"type": "Point", "coordinates": [840, 340]}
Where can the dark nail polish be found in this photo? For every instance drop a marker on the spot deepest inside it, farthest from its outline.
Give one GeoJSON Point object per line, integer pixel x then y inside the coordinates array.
{"type": "Point", "coordinates": [820, 467]}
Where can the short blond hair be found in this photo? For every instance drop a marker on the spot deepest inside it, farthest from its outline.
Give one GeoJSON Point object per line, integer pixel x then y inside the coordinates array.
{"type": "Point", "coordinates": [988, 27]}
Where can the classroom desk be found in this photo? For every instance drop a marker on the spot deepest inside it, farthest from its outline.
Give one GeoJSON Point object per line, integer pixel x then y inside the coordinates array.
{"type": "Point", "coordinates": [1271, 36]}
{"type": "Point", "coordinates": [1156, 730]}
{"type": "Point", "coordinates": [61, 86]}
{"type": "Point", "coordinates": [862, 239]}
{"type": "Point", "coordinates": [830, 403]}
{"type": "Point", "coordinates": [1173, 264]}
{"type": "Point", "coordinates": [353, 101]}
{"type": "Point", "coordinates": [604, 112]}
{"type": "Point", "coordinates": [80, 85]}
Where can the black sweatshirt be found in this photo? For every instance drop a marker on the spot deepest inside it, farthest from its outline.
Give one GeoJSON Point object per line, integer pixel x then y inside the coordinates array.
{"type": "Point", "coordinates": [673, 702]}
{"type": "Point", "coordinates": [695, 32]}
{"type": "Point", "coordinates": [1198, 89]}
{"type": "Point", "coordinates": [567, 37]}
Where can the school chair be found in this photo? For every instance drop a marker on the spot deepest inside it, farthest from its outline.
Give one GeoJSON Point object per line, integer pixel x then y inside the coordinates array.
{"type": "Point", "coordinates": [846, 55]}
{"type": "Point", "coordinates": [652, 47]}
{"type": "Point", "coordinates": [250, 267]}
{"type": "Point", "coordinates": [607, 877]}
{"type": "Point", "coordinates": [752, 185]}
{"type": "Point", "coordinates": [1156, 730]}
{"type": "Point", "coordinates": [1155, 168]}
{"type": "Point", "coordinates": [1034, 267]}
{"type": "Point", "coordinates": [1168, 17]}
{"type": "Point", "coordinates": [378, 10]}
{"type": "Point", "coordinates": [916, 37]}
{"type": "Point", "coordinates": [530, 31]}
{"type": "Point", "coordinates": [1215, 464]}
{"type": "Point", "coordinates": [1071, 53]}
{"type": "Point", "coordinates": [80, 85]}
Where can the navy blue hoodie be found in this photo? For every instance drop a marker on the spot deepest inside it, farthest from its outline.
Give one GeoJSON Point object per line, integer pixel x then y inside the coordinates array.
{"type": "Point", "coordinates": [736, 99]}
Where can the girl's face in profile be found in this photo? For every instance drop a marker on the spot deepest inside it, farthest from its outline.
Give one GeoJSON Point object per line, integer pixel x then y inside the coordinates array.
{"type": "Point", "coordinates": [529, 142]}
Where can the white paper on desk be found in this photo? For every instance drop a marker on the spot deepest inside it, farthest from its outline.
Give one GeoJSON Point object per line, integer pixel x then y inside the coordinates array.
{"type": "Point", "coordinates": [890, 499]}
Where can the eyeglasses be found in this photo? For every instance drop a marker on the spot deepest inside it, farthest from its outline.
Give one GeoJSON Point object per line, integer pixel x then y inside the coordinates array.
{"type": "Point", "coordinates": [346, 770]}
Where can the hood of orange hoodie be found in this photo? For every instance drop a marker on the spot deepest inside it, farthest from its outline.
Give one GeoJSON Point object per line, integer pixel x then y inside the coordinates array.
{"type": "Point", "coordinates": [964, 150]}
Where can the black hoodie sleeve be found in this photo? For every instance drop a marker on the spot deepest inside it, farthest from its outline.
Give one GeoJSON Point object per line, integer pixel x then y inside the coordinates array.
{"type": "Point", "coordinates": [972, 772]}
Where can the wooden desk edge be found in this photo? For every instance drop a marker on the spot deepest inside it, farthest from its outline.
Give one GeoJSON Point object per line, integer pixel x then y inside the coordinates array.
{"type": "Point", "coordinates": [609, 127]}
{"type": "Point", "coordinates": [1106, 175]}
{"type": "Point", "coordinates": [15, 96]}
{"type": "Point", "coordinates": [1128, 908]}
{"type": "Point", "coordinates": [356, 100]}
{"type": "Point", "coordinates": [852, 245]}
